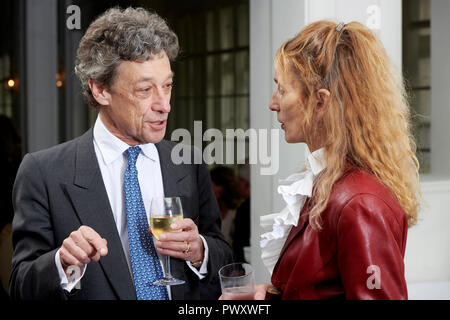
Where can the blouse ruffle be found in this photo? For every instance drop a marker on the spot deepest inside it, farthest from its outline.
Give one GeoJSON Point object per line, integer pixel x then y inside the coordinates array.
{"type": "Point", "coordinates": [294, 190]}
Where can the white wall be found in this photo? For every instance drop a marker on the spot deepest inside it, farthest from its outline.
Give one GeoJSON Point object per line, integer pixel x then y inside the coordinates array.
{"type": "Point", "coordinates": [272, 22]}
{"type": "Point", "coordinates": [382, 16]}
{"type": "Point", "coordinates": [427, 256]}
{"type": "Point", "coordinates": [440, 87]}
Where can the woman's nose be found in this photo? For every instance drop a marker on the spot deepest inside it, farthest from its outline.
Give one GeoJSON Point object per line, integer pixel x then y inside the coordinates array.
{"type": "Point", "coordinates": [274, 103]}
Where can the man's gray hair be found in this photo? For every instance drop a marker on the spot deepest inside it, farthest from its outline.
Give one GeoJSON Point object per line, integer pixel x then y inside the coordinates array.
{"type": "Point", "coordinates": [132, 34]}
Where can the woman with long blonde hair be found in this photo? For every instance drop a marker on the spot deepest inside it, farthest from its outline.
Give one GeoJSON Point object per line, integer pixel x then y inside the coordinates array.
{"type": "Point", "coordinates": [343, 233]}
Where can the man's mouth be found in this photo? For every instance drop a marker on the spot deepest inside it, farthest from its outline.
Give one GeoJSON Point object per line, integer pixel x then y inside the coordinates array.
{"type": "Point", "coordinates": [157, 125]}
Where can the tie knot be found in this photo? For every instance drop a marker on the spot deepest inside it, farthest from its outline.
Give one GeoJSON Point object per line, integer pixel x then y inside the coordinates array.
{"type": "Point", "coordinates": [132, 153]}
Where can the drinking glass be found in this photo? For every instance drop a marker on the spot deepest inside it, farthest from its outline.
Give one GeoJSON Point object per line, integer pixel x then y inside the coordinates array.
{"type": "Point", "coordinates": [163, 212]}
{"type": "Point", "coordinates": [237, 281]}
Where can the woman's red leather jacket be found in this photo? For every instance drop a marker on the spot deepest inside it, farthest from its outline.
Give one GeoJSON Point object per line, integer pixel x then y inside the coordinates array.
{"type": "Point", "coordinates": [359, 252]}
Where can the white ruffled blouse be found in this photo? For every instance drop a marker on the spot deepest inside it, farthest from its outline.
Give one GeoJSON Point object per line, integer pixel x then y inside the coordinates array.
{"type": "Point", "coordinates": [295, 190]}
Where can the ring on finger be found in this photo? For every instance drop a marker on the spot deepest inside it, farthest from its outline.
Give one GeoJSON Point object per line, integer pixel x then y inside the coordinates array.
{"type": "Point", "coordinates": [188, 247]}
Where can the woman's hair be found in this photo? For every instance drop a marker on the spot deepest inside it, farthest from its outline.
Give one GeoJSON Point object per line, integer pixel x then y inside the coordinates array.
{"type": "Point", "coordinates": [367, 121]}
{"type": "Point", "coordinates": [132, 34]}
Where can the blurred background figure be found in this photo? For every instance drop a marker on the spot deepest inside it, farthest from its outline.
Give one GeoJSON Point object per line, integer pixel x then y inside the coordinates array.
{"type": "Point", "coordinates": [227, 191]}
{"type": "Point", "coordinates": [241, 235]}
{"type": "Point", "coordinates": [10, 156]}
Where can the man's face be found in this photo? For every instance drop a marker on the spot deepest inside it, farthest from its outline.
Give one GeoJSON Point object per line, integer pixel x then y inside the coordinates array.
{"type": "Point", "coordinates": [139, 101]}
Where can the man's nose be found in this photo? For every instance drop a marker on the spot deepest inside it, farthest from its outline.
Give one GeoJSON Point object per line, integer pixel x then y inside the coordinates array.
{"type": "Point", "coordinates": [161, 101]}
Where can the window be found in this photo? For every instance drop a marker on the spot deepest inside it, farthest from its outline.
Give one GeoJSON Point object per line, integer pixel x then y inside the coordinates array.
{"type": "Point", "coordinates": [8, 62]}
{"type": "Point", "coordinates": [212, 72]}
{"type": "Point", "coordinates": [416, 67]}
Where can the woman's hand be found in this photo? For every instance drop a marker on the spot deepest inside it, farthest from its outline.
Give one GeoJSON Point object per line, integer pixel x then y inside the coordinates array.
{"type": "Point", "coordinates": [260, 291]}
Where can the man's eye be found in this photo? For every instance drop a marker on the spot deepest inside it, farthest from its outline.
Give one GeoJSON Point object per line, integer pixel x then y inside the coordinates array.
{"type": "Point", "coordinates": [145, 89]}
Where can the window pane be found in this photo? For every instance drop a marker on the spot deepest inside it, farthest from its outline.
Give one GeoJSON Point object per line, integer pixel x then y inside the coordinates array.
{"type": "Point", "coordinates": [176, 116]}
{"type": "Point", "coordinates": [198, 76]}
{"type": "Point", "coordinates": [191, 83]}
{"type": "Point", "coordinates": [227, 74]}
{"type": "Point", "coordinates": [421, 103]}
{"type": "Point", "coordinates": [424, 160]}
{"type": "Point", "coordinates": [243, 29]}
{"type": "Point", "coordinates": [242, 113]}
{"type": "Point", "coordinates": [418, 10]}
{"type": "Point", "coordinates": [180, 80]}
{"type": "Point", "coordinates": [227, 113]}
{"type": "Point", "coordinates": [191, 115]}
{"type": "Point", "coordinates": [182, 32]}
{"type": "Point", "coordinates": [198, 33]}
{"type": "Point", "coordinates": [226, 28]}
{"type": "Point", "coordinates": [6, 92]}
{"type": "Point", "coordinates": [211, 114]}
{"type": "Point", "coordinates": [416, 64]}
{"type": "Point", "coordinates": [214, 65]}
{"type": "Point", "coordinates": [211, 26]}
{"type": "Point", "coordinates": [242, 69]}
{"type": "Point", "coordinates": [212, 75]}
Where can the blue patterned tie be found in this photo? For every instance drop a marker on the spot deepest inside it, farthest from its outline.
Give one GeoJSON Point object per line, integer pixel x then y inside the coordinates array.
{"type": "Point", "coordinates": [144, 260]}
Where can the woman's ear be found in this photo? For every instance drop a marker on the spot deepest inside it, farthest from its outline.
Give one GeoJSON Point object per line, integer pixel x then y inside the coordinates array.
{"type": "Point", "coordinates": [323, 99]}
{"type": "Point", "coordinates": [100, 93]}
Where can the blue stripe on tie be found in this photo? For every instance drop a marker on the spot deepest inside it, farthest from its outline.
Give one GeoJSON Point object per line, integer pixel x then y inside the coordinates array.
{"type": "Point", "coordinates": [144, 260]}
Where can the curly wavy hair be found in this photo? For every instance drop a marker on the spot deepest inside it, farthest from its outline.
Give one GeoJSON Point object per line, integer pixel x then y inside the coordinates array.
{"type": "Point", "coordinates": [368, 116]}
{"type": "Point", "coordinates": [132, 34]}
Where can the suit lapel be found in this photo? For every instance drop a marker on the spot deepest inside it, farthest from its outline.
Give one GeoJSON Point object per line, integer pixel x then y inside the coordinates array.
{"type": "Point", "coordinates": [173, 177]}
{"type": "Point", "coordinates": [90, 200]}
{"type": "Point", "coordinates": [172, 174]}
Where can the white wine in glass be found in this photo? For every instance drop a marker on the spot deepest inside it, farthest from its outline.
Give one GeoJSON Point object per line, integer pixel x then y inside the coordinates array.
{"type": "Point", "coordinates": [164, 212]}
{"type": "Point", "coordinates": [159, 225]}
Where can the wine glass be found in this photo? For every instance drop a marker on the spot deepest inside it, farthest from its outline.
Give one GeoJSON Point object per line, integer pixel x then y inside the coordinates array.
{"type": "Point", "coordinates": [163, 212]}
{"type": "Point", "coordinates": [237, 281]}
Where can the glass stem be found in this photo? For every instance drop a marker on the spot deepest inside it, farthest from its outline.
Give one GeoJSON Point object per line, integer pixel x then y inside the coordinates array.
{"type": "Point", "coordinates": [168, 275]}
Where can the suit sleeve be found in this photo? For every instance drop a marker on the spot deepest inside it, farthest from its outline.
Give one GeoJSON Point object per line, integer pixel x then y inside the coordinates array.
{"type": "Point", "coordinates": [370, 254]}
{"type": "Point", "coordinates": [220, 252]}
{"type": "Point", "coordinates": [34, 274]}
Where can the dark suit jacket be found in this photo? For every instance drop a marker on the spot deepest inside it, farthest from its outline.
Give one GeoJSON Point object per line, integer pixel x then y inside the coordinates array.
{"type": "Point", "coordinates": [241, 236]}
{"type": "Point", "coordinates": [363, 227]}
{"type": "Point", "coordinates": [59, 189]}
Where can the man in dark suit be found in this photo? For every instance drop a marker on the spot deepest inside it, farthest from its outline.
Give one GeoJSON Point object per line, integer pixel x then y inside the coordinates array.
{"type": "Point", "coordinates": [71, 203]}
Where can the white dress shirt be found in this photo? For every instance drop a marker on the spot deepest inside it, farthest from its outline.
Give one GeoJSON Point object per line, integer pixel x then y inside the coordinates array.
{"type": "Point", "coordinates": [112, 162]}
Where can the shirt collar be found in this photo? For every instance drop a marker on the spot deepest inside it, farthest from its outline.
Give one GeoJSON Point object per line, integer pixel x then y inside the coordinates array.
{"type": "Point", "coordinates": [316, 161]}
{"type": "Point", "coordinates": [112, 147]}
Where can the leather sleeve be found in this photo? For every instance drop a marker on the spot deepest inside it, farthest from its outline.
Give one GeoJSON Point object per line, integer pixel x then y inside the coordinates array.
{"type": "Point", "coordinates": [370, 254]}
{"type": "Point", "coordinates": [34, 274]}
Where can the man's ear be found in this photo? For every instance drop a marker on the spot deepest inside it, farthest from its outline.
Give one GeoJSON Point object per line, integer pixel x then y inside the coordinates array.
{"type": "Point", "coordinates": [100, 93]}
{"type": "Point", "coordinates": [323, 99]}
